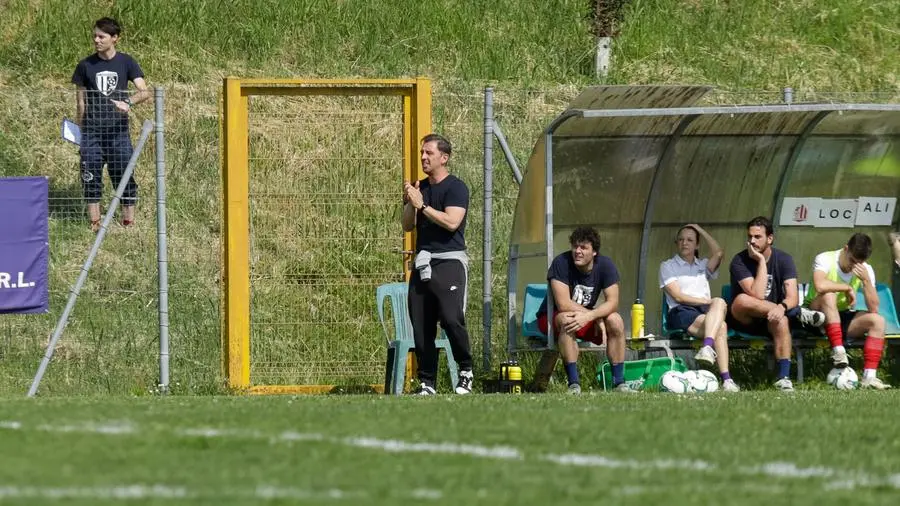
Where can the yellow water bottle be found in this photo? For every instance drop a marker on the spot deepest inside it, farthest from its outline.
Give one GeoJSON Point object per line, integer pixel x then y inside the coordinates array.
{"type": "Point", "coordinates": [515, 377]}
{"type": "Point", "coordinates": [637, 320]}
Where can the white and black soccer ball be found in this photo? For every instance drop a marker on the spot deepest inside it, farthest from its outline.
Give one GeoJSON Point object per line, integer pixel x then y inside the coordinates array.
{"type": "Point", "coordinates": [675, 382]}
{"type": "Point", "coordinates": [843, 378]}
{"type": "Point", "coordinates": [702, 381]}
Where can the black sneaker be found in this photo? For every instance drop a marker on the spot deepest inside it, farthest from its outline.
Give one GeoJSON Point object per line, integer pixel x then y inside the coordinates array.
{"type": "Point", "coordinates": [465, 382]}
{"type": "Point", "coordinates": [426, 389]}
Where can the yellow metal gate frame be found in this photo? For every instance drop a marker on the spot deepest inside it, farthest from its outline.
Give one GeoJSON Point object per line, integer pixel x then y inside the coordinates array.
{"type": "Point", "coordinates": [416, 105]}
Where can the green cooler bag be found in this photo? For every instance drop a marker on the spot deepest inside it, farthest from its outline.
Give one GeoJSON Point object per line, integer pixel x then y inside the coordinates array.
{"type": "Point", "coordinates": [644, 374]}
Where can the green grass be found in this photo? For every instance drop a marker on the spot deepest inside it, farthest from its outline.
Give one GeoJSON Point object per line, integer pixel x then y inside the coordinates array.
{"type": "Point", "coordinates": [749, 448]}
{"type": "Point", "coordinates": [537, 55]}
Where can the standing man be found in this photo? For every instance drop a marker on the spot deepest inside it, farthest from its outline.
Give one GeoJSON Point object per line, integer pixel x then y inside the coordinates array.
{"type": "Point", "coordinates": [103, 105]}
{"type": "Point", "coordinates": [764, 287]}
{"type": "Point", "coordinates": [577, 278]}
{"type": "Point", "coordinates": [436, 208]}
{"type": "Point", "coordinates": [837, 276]}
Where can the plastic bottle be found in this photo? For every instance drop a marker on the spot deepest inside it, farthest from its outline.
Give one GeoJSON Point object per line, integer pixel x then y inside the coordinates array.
{"type": "Point", "coordinates": [515, 377]}
{"type": "Point", "coordinates": [637, 320]}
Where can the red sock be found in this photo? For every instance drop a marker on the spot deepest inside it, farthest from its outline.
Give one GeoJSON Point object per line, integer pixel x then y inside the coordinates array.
{"type": "Point", "coordinates": [872, 352]}
{"type": "Point", "coordinates": [835, 336]}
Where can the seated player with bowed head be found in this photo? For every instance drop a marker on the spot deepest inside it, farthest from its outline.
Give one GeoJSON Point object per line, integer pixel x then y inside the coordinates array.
{"type": "Point", "coordinates": [576, 279]}
{"type": "Point", "coordinates": [685, 280]}
{"type": "Point", "coordinates": [837, 276]}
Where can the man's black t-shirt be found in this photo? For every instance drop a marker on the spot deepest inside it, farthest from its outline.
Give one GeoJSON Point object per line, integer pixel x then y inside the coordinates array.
{"type": "Point", "coordinates": [450, 192]}
{"type": "Point", "coordinates": [584, 288]}
{"type": "Point", "coordinates": [780, 267]}
{"type": "Point", "coordinates": [105, 80]}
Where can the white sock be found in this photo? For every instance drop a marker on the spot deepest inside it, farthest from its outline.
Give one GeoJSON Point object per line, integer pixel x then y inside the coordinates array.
{"type": "Point", "coordinates": [869, 373]}
{"type": "Point", "coordinates": [839, 349]}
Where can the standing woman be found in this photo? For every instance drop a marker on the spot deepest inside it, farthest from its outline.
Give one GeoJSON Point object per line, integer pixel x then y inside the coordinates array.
{"type": "Point", "coordinates": [685, 280]}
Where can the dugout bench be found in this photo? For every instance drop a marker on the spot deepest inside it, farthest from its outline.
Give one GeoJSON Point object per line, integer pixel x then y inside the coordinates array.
{"type": "Point", "coordinates": [670, 340]}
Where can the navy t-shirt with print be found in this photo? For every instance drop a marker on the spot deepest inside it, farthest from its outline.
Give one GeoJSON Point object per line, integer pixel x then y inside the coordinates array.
{"type": "Point", "coordinates": [450, 192]}
{"type": "Point", "coordinates": [105, 80]}
{"type": "Point", "coordinates": [584, 288]}
{"type": "Point", "coordinates": [780, 267]}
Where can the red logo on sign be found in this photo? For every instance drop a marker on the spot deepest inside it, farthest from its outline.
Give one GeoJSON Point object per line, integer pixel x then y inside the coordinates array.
{"type": "Point", "coordinates": [800, 213]}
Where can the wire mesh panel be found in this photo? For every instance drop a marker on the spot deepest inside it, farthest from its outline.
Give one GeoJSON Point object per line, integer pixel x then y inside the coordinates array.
{"type": "Point", "coordinates": [109, 344]}
{"type": "Point", "coordinates": [325, 179]}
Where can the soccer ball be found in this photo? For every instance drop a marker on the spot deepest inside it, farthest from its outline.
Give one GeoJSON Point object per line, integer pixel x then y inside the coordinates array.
{"type": "Point", "coordinates": [675, 382]}
{"type": "Point", "coordinates": [702, 381]}
{"type": "Point", "coordinates": [843, 379]}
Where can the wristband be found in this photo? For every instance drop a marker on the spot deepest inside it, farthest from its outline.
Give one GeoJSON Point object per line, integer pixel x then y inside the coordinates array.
{"type": "Point", "coordinates": [784, 306]}
{"type": "Point", "coordinates": [423, 208]}
{"type": "Point", "coordinates": [128, 101]}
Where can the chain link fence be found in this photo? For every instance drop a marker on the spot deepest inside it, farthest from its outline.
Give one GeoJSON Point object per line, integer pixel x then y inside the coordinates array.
{"type": "Point", "coordinates": [325, 208]}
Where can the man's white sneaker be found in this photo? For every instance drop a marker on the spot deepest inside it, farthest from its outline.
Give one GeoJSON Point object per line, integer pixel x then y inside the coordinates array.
{"type": "Point", "coordinates": [706, 354]}
{"type": "Point", "coordinates": [785, 385]}
{"type": "Point", "coordinates": [626, 388]}
{"type": "Point", "coordinates": [811, 318]}
{"type": "Point", "coordinates": [839, 359]}
{"type": "Point", "coordinates": [575, 389]}
{"type": "Point", "coordinates": [426, 389]}
{"type": "Point", "coordinates": [730, 386]}
{"type": "Point", "coordinates": [465, 382]}
{"type": "Point", "coordinates": [874, 384]}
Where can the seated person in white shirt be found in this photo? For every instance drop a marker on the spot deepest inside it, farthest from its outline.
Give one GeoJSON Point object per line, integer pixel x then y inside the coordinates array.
{"type": "Point", "coordinates": [685, 280]}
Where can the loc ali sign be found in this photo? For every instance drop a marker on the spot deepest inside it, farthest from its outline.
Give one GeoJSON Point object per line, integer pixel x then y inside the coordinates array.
{"type": "Point", "coordinates": [837, 213]}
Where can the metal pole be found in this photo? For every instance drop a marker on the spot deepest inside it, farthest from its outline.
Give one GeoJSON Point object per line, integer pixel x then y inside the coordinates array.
{"type": "Point", "coordinates": [73, 295]}
{"type": "Point", "coordinates": [487, 251]}
{"type": "Point", "coordinates": [512, 283]}
{"type": "Point", "coordinates": [510, 159]}
{"type": "Point", "coordinates": [788, 95]}
{"type": "Point", "coordinates": [548, 230]}
{"type": "Point", "coordinates": [161, 244]}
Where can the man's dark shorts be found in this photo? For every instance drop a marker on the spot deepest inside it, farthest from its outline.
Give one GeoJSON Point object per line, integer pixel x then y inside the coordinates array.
{"type": "Point", "coordinates": [760, 326]}
{"type": "Point", "coordinates": [681, 317]}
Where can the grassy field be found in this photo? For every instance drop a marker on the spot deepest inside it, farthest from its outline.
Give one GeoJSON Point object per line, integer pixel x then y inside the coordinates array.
{"type": "Point", "coordinates": [750, 448]}
{"type": "Point", "coordinates": [537, 55]}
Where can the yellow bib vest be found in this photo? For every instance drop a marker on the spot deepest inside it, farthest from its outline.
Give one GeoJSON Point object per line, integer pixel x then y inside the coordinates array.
{"type": "Point", "coordinates": [832, 275]}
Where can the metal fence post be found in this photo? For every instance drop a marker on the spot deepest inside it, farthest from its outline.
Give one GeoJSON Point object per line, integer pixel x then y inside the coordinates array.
{"type": "Point", "coordinates": [161, 244]}
{"type": "Point", "coordinates": [487, 254]}
{"type": "Point", "coordinates": [95, 248]}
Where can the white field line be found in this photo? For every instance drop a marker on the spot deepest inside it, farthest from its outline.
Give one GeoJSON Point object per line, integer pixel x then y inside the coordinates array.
{"type": "Point", "coordinates": [120, 493]}
{"type": "Point", "coordinates": [834, 478]}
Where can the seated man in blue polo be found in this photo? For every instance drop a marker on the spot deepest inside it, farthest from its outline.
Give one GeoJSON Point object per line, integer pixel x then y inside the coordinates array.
{"type": "Point", "coordinates": [685, 280]}
{"type": "Point", "coordinates": [764, 287]}
{"type": "Point", "coordinates": [576, 279]}
{"type": "Point", "coordinates": [837, 277]}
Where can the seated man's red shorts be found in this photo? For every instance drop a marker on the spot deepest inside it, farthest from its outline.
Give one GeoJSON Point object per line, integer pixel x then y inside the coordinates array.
{"type": "Point", "coordinates": [586, 333]}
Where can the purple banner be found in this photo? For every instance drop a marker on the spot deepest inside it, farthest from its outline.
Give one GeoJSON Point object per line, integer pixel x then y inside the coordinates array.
{"type": "Point", "coordinates": [24, 245]}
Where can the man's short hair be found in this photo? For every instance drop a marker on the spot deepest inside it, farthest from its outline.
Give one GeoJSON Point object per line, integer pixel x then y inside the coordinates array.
{"type": "Point", "coordinates": [443, 144]}
{"type": "Point", "coordinates": [761, 221]}
{"type": "Point", "coordinates": [860, 246]}
{"type": "Point", "coordinates": [585, 234]}
{"type": "Point", "coordinates": [108, 25]}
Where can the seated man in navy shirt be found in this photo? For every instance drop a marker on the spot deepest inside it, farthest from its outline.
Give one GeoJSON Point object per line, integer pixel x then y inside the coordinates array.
{"type": "Point", "coordinates": [764, 288]}
{"type": "Point", "coordinates": [576, 279]}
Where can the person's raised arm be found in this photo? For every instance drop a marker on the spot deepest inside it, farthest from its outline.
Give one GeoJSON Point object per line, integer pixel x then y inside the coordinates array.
{"type": "Point", "coordinates": [715, 250]}
{"type": "Point", "coordinates": [870, 292]}
{"type": "Point", "coordinates": [450, 218]}
{"type": "Point", "coordinates": [408, 216]}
